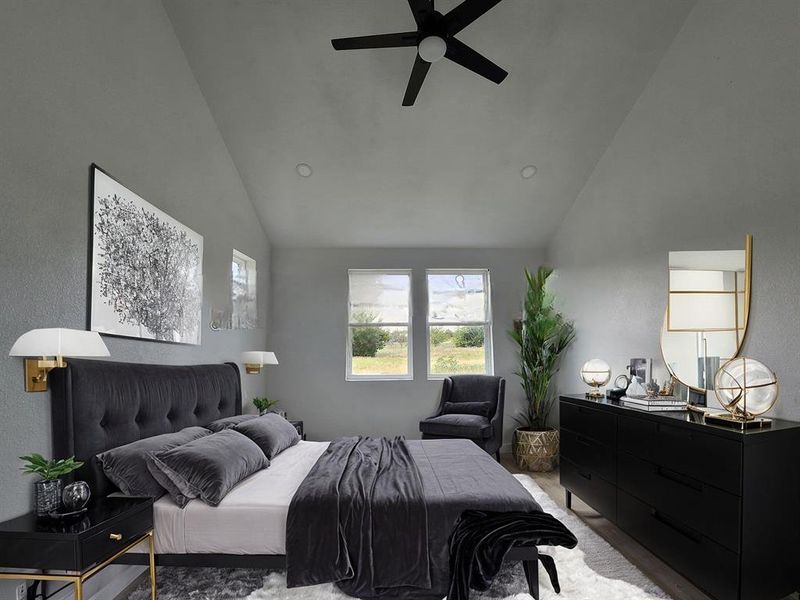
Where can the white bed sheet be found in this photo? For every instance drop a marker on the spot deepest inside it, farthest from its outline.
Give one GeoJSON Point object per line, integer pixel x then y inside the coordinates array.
{"type": "Point", "coordinates": [251, 519]}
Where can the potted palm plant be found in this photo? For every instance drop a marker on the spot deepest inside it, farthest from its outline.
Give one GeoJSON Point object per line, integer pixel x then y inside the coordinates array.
{"type": "Point", "coordinates": [543, 334]}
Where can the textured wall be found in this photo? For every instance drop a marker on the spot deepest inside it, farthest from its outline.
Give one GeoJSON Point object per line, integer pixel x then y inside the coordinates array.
{"type": "Point", "coordinates": [308, 331]}
{"type": "Point", "coordinates": [709, 153]}
{"type": "Point", "coordinates": [82, 83]}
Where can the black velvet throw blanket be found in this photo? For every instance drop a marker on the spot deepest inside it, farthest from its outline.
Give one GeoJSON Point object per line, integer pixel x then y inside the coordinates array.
{"type": "Point", "coordinates": [359, 519]}
{"type": "Point", "coordinates": [481, 539]}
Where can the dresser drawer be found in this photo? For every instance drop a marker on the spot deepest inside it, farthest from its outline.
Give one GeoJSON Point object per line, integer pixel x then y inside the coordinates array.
{"type": "Point", "coordinates": [705, 508]}
{"type": "Point", "coordinates": [715, 460]}
{"type": "Point", "coordinates": [102, 545]}
{"type": "Point", "coordinates": [588, 455]}
{"type": "Point", "coordinates": [709, 565]}
{"type": "Point", "coordinates": [591, 423]}
{"type": "Point", "coordinates": [591, 488]}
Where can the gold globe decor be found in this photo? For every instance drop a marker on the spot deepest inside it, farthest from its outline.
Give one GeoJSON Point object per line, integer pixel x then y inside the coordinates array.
{"type": "Point", "coordinates": [596, 373]}
{"type": "Point", "coordinates": [746, 388]}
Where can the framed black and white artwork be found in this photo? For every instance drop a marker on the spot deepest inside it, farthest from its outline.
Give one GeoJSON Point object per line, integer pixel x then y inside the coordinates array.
{"type": "Point", "coordinates": [146, 268]}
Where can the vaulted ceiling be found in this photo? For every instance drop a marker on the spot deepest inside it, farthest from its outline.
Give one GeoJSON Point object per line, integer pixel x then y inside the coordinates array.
{"type": "Point", "coordinates": [445, 172]}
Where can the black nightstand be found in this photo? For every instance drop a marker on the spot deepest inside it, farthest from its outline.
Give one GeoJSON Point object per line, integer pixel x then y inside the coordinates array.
{"type": "Point", "coordinates": [79, 548]}
{"type": "Point", "coordinates": [299, 426]}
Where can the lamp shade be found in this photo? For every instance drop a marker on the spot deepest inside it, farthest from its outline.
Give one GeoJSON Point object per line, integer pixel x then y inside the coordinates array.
{"type": "Point", "coordinates": [259, 358]}
{"type": "Point", "coordinates": [596, 372]}
{"type": "Point", "coordinates": [59, 342]}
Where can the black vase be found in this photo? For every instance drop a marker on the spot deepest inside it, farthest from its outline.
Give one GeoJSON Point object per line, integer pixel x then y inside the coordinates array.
{"type": "Point", "coordinates": [46, 496]}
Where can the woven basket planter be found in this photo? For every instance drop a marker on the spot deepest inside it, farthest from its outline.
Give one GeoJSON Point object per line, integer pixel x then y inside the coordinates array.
{"type": "Point", "coordinates": [536, 451]}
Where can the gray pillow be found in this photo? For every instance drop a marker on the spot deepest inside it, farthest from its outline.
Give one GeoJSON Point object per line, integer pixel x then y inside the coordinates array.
{"type": "Point", "coordinates": [272, 433]}
{"type": "Point", "coordinates": [228, 422]}
{"type": "Point", "coordinates": [126, 466]}
{"type": "Point", "coordinates": [483, 409]}
{"type": "Point", "coordinates": [207, 468]}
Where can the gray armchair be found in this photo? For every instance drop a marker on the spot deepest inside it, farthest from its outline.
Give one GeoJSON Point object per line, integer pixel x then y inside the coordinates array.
{"type": "Point", "coordinates": [471, 408]}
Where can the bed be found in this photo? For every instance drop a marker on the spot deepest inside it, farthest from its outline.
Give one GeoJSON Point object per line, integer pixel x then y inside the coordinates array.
{"type": "Point", "coordinates": [99, 405]}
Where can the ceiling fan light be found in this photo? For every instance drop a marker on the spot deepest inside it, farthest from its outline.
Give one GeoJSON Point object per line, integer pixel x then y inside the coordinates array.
{"type": "Point", "coordinates": [432, 49]}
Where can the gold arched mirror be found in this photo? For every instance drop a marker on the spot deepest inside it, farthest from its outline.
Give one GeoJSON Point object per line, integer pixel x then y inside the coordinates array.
{"type": "Point", "coordinates": [708, 307]}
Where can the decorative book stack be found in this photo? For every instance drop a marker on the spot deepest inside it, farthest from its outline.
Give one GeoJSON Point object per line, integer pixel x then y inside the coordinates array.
{"type": "Point", "coordinates": [660, 403]}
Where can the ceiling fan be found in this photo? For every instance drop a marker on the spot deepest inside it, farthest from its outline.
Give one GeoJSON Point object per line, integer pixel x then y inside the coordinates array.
{"type": "Point", "coordinates": [435, 39]}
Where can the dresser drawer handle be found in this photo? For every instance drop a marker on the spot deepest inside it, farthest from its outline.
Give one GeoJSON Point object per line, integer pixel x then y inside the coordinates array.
{"type": "Point", "coordinates": [585, 475]}
{"type": "Point", "coordinates": [679, 479]}
{"type": "Point", "coordinates": [583, 441]}
{"type": "Point", "coordinates": [115, 536]}
{"type": "Point", "coordinates": [664, 520]}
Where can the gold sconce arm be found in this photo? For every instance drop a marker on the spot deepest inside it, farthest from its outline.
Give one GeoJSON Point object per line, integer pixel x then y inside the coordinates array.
{"type": "Point", "coordinates": [36, 370]}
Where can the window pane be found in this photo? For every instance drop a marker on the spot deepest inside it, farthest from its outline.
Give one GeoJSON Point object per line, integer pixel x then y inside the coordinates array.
{"type": "Point", "coordinates": [379, 297]}
{"type": "Point", "coordinates": [379, 350]}
{"type": "Point", "coordinates": [454, 297]}
{"type": "Point", "coordinates": [244, 303]}
{"type": "Point", "coordinates": [457, 350]}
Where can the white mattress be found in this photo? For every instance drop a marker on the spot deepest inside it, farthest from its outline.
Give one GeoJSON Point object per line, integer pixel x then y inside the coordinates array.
{"type": "Point", "coordinates": [251, 519]}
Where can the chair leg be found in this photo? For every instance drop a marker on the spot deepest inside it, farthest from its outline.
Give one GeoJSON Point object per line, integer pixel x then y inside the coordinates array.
{"type": "Point", "coordinates": [531, 568]}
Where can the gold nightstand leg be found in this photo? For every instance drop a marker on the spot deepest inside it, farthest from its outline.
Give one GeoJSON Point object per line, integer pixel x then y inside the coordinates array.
{"type": "Point", "coordinates": [152, 567]}
{"type": "Point", "coordinates": [78, 589]}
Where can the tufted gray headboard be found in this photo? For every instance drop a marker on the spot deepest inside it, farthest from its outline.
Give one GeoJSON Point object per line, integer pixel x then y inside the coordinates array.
{"type": "Point", "coordinates": [99, 405]}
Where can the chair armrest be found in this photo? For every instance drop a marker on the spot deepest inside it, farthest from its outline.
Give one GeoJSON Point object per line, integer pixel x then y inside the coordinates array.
{"type": "Point", "coordinates": [497, 418]}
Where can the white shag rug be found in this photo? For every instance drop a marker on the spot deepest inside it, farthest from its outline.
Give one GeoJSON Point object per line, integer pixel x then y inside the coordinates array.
{"type": "Point", "coordinates": [591, 571]}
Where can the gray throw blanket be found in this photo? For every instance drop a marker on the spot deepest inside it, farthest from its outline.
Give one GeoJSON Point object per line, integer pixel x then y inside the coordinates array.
{"type": "Point", "coordinates": [359, 519]}
{"type": "Point", "coordinates": [375, 515]}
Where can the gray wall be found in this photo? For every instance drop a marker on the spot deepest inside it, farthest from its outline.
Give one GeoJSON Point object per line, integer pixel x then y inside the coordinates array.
{"type": "Point", "coordinates": [308, 331]}
{"type": "Point", "coordinates": [709, 153]}
{"type": "Point", "coordinates": [83, 83]}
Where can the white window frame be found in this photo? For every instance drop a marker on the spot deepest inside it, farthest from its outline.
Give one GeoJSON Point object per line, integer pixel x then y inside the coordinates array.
{"type": "Point", "coordinates": [488, 346]}
{"type": "Point", "coordinates": [349, 375]}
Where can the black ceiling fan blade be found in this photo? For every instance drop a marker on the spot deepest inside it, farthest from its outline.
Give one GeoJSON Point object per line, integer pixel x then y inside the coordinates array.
{"type": "Point", "coordinates": [467, 12]}
{"type": "Point", "coordinates": [465, 56]}
{"type": "Point", "coordinates": [383, 40]}
{"type": "Point", "coordinates": [415, 81]}
{"type": "Point", "coordinates": [420, 9]}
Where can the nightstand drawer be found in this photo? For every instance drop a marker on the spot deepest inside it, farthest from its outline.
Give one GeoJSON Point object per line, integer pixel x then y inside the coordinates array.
{"type": "Point", "coordinates": [715, 460]}
{"type": "Point", "coordinates": [600, 426]}
{"type": "Point", "coordinates": [714, 568]}
{"type": "Point", "coordinates": [591, 488]}
{"type": "Point", "coordinates": [705, 508]}
{"type": "Point", "coordinates": [588, 455]}
{"type": "Point", "coordinates": [114, 537]}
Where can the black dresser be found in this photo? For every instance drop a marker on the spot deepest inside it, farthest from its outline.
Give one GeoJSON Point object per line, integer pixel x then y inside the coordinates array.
{"type": "Point", "coordinates": [720, 506]}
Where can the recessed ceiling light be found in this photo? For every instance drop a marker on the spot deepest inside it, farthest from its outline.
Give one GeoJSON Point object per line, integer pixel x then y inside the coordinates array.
{"type": "Point", "coordinates": [304, 170]}
{"type": "Point", "coordinates": [528, 172]}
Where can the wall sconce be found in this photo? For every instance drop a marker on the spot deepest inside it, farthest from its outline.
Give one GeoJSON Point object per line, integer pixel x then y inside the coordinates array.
{"type": "Point", "coordinates": [253, 361]}
{"type": "Point", "coordinates": [52, 345]}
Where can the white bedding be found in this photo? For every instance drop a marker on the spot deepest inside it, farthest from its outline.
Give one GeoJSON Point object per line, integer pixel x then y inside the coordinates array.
{"type": "Point", "coordinates": [251, 519]}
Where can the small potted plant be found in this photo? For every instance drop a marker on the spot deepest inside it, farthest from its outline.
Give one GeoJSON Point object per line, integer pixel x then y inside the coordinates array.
{"type": "Point", "coordinates": [543, 334]}
{"type": "Point", "coordinates": [47, 490]}
{"type": "Point", "coordinates": [264, 405]}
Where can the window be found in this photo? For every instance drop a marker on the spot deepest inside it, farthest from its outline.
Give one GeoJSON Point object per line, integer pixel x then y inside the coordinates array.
{"type": "Point", "coordinates": [379, 325]}
{"type": "Point", "coordinates": [459, 323]}
{"type": "Point", "coordinates": [244, 305]}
